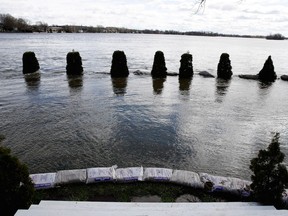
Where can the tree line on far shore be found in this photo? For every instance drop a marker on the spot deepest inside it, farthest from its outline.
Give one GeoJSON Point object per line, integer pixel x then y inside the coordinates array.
{"type": "Point", "coordinates": [8, 23]}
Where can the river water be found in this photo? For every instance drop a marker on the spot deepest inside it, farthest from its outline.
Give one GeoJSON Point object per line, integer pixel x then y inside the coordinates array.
{"type": "Point", "coordinates": [52, 122]}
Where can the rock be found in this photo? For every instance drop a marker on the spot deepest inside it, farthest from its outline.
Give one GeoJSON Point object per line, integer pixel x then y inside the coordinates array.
{"type": "Point", "coordinates": [247, 76]}
{"type": "Point", "coordinates": [224, 69]}
{"type": "Point", "coordinates": [172, 74]}
{"type": "Point", "coordinates": [140, 73]}
{"type": "Point", "coordinates": [187, 198]}
{"type": "Point", "coordinates": [186, 67]}
{"type": "Point", "coordinates": [159, 69]}
{"type": "Point", "coordinates": [284, 77]}
{"type": "Point", "coordinates": [119, 66]}
{"type": "Point", "coordinates": [206, 74]}
{"type": "Point", "coordinates": [30, 63]}
{"type": "Point", "coordinates": [267, 73]}
{"type": "Point", "coordinates": [74, 63]}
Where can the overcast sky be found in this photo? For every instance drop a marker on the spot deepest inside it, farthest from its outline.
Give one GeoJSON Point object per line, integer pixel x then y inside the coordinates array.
{"type": "Point", "coordinates": [257, 17]}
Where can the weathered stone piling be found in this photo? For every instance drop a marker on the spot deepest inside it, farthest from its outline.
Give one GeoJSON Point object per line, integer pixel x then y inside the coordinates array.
{"type": "Point", "coordinates": [30, 63]}
{"type": "Point", "coordinates": [224, 70]}
{"type": "Point", "coordinates": [186, 67]}
{"type": "Point", "coordinates": [74, 63]}
{"type": "Point", "coordinates": [267, 74]}
{"type": "Point", "coordinates": [119, 66]}
{"type": "Point", "coordinates": [159, 69]}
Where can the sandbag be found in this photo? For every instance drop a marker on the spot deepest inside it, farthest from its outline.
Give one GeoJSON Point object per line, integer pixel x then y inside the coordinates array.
{"type": "Point", "coordinates": [71, 176]}
{"type": "Point", "coordinates": [187, 178]}
{"type": "Point", "coordinates": [43, 180]}
{"type": "Point", "coordinates": [157, 174]}
{"type": "Point", "coordinates": [100, 174]}
{"type": "Point", "coordinates": [129, 174]}
{"type": "Point", "coordinates": [225, 184]}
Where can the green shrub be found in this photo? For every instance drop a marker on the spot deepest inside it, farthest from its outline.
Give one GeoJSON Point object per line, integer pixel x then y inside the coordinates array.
{"type": "Point", "coordinates": [16, 188]}
{"type": "Point", "coordinates": [270, 176]}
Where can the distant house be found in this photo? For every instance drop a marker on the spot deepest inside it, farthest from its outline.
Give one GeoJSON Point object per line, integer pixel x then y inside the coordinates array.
{"type": "Point", "coordinates": [55, 29]}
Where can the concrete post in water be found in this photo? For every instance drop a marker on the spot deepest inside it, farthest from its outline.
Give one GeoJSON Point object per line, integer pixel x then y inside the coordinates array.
{"type": "Point", "coordinates": [119, 66]}
{"type": "Point", "coordinates": [267, 74]}
{"type": "Point", "coordinates": [224, 69]}
{"type": "Point", "coordinates": [30, 63]}
{"type": "Point", "coordinates": [186, 67]}
{"type": "Point", "coordinates": [159, 69]}
{"type": "Point", "coordinates": [74, 63]}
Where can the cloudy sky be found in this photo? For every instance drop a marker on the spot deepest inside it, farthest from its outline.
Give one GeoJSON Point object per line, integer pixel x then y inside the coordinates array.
{"type": "Point", "coordinates": [257, 17]}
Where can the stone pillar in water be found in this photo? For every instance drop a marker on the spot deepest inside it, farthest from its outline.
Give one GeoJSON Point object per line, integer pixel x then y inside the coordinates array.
{"type": "Point", "coordinates": [224, 69]}
{"type": "Point", "coordinates": [30, 63]}
{"type": "Point", "coordinates": [267, 73]}
{"type": "Point", "coordinates": [186, 67]}
{"type": "Point", "coordinates": [159, 69]}
{"type": "Point", "coordinates": [119, 66]}
{"type": "Point", "coordinates": [74, 64]}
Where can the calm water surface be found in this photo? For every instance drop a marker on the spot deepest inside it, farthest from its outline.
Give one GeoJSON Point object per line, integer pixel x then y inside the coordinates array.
{"type": "Point", "coordinates": [53, 122]}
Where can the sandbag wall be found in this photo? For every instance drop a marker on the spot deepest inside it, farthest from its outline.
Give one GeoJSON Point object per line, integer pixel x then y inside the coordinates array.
{"type": "Point", "coordinates": [211, 183]}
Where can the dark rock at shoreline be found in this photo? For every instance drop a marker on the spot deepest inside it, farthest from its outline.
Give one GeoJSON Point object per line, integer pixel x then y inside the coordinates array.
{"type": "Point", "coordinates": [140, 73]}
{"type": "Point", "coordinates": [172, 74]}
{"type": "Point", "coordinates": [247, 76]}
{"type": "Point", "coordinates": [206, 74]}
{"type": "Point", "coordinates": [74, 64]}
{"type": "Point", "coordinates": [224, 69]}
{"type": "Point", "coordinates": [186, 67]}
{"type": "Point", "coordinates": [119, 66]}
{"type": "Point", "coordinates": [30, 63]}
{"type": "Point", "coordinates": [159, 69]}
{"type": "Point", "coordinates": [267, 73]}
{"type": "Point", "coordinates": [284, 77]}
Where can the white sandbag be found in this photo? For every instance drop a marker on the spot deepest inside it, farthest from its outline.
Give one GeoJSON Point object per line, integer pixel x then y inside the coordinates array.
{"type": "Point", "coordinates": [157, 174]}
{"type": "Point", "coordinates": [43, 180]}
{"type": "Point", "coordinates": [71, 176]}
{"type": "Point", "coordinates": [129, 174]}
{"type": "Point", "coordinates": [226, 184]}
{"type": "Point", "coordinates": [100, 174]}
{"type": "Point", "coordinates": [187, 178]}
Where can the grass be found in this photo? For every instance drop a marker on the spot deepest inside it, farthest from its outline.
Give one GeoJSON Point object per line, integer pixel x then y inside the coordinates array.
{"type": "Point", "coordinates": [125, 192]}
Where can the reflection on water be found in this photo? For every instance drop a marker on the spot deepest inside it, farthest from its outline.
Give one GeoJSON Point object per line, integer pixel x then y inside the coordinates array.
{"type": "Point", "coordinates": [75, 81]}
{"type": "Point", "coordinates": [264, 85]}
{"type": "Point", "coordinates": [158, 85]}
{"type": "Point", "coordinates": [184, 86]}
{"type": "Point", "coordinates": [222, 86]}
{"type": "Point", "coordinates": [32, 80]}
{"type": "Point", "coordinates": [119, 85]}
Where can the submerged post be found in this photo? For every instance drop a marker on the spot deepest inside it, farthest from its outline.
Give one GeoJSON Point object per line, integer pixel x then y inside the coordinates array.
{"type": "Point", "coordinates": [74, 63]}
{"type": "Point", "coordinates": [119, 66]}
{"type": "Point", "coordinates": [224, 69]}
{"type": "Point", "coordinates": [186, 67]}
{"type": "Point", "coordinates": [159, 69]}
{"type": "Point", "coordinates": [30, 63]}
{"type": "Point", "coordinates": [267, 73]}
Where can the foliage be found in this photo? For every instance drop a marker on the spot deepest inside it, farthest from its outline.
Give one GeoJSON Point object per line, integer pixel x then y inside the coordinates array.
{"type": "Point", "coordinates": [118, 192]}
{"type": "Point", "coordinates": [16, 188]}
{"type": "Point", "coordinates": [270, 176]}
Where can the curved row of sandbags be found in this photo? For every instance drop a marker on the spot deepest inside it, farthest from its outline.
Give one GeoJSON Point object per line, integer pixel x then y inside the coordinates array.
{"type": "Point", "coordinates": [210, 182]}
